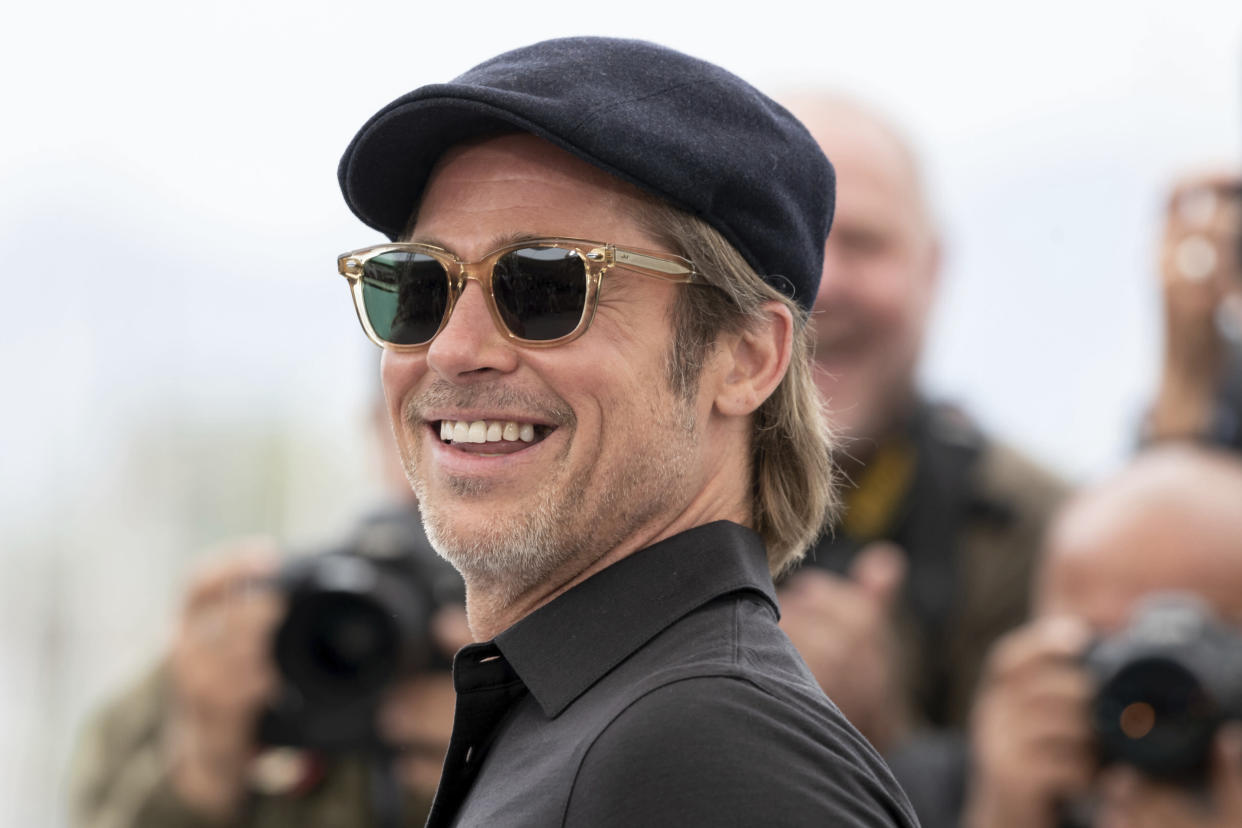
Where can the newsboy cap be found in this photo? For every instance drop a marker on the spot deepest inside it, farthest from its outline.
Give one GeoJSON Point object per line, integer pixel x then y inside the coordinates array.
{"type": "Point", "coordinates": [686, 130]}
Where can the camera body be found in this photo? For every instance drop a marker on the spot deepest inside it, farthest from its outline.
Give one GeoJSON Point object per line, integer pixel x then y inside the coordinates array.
{"type": "Point", "coordinates": [359, 618]}
{"type": "Point", "coordinates": [1165, 684]}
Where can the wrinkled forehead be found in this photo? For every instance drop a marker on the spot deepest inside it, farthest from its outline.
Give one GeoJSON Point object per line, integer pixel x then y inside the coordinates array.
{"type": "Point", "coordinates": [872, 158]}
{"type": "Point", "coordinates": [1102, 573]}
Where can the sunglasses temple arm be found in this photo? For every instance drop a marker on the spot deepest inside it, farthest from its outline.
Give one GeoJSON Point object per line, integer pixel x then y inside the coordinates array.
{"type": "Point", "coordinates": [670, 270]}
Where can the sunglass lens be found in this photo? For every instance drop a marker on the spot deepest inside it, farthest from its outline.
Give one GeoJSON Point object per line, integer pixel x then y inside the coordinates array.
{"type": "Point", "coordinates": [540, 291]}
{"type": "Point", "coordinates": [405, 295]}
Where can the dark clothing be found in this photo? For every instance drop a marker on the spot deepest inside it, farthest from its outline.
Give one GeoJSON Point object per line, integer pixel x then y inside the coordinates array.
{"type": "Point", "coordinates": [1225, 429]}
{"type": "Point", "coordinates": [969, 513]}
{"type": "Point", "coordinates": [934, 769]}
{"type": "Point", "coordinates": [658, 692]}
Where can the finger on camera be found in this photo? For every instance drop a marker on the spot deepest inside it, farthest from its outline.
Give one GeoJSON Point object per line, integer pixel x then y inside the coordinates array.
{"type": "Point", "coordinates": [225, 683]}
{"type": "Point", "coordinates": [817, 588]}
{"type": "Point", "coordinates": [1058, 640]}
{"type": "Point", "coordinates": [418, 710]}
{"type": "Point", "coordinates": [1064, 774]}
{"type": "Point", "coordinates": [450, 628]}
{"type": "Point", "coordinates": [1227, 770]}
{"type": "Point", "coordinates": [227, 569]}
{"type": "Point", "coordinates": [1054, 688]}
{"type": "Point", "coordinates": [831, 601]}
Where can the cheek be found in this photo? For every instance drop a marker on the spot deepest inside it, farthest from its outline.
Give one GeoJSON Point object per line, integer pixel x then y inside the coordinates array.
{"type": "Point", "coordinates": [894, 295]}
{"type": "Point", "coordinates": [1100, 606]}
{"type": "Point", "coordinates": [399, 373]}
{"type": "Point", "coordinates": [615, 403]}
{"type": "Point", "coordinates": [605, 410]}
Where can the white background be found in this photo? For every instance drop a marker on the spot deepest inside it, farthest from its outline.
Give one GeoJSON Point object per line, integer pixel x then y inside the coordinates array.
{"type": "Point", "coordinates": [180, 360]}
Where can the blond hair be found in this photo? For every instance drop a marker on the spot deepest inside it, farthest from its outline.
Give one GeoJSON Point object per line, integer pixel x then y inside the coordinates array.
{"type": "Point", "coordinates": [793, 480]}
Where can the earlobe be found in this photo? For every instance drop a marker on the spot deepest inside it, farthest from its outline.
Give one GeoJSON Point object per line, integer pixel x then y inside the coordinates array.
{"type": "Point", "coordinates": [755, 362]}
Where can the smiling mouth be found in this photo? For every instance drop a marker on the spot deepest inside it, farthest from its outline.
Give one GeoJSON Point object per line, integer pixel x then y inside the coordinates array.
{"type": "Point", "coordinates": [504, 435]}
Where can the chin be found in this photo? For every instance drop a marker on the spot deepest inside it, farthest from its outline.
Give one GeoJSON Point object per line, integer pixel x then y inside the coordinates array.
{"type": "Point", "coordinates": [504, 553]}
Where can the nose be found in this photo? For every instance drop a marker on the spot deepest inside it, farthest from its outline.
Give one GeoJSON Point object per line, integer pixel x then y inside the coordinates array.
{"type": "Point", "coordinates": [470, 347]}
{"type": "Point", "coordinates": [834, 278]}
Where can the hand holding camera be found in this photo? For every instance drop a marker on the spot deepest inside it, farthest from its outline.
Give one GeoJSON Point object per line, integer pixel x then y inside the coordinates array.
{"type": "Point", "coordinates": [222, 675]}
{"type": "Point", "coordinates": [843, 627]}
{"type": "Point", "coordinates": [1155, 707]}
{"type": "Point", "coordinates": [1030, 737]}
{"type": "Point", "coordinates": [345, 651]}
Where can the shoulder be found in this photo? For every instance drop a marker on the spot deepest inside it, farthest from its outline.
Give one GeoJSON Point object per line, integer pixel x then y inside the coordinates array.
{"type": "Point", "coordinates": [723, 749]}
{"type": "Point", "coordinates": [124, 726]}
{"type": "Point", "coordinates": [1007, 474]}
{"type": "Point", "coordinates": [117, 766]}
{"type": "Point", "coordinates": [1003, 475]}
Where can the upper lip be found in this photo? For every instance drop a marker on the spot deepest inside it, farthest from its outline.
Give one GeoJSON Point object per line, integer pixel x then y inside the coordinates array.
{"type": "Point", "coordinates": [475, 416]}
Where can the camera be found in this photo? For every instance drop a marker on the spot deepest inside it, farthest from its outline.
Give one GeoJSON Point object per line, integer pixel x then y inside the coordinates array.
{"type": "Point", "coordinates": [1164, 686]}
{"type": "Point", "coordinates": [359, 617]}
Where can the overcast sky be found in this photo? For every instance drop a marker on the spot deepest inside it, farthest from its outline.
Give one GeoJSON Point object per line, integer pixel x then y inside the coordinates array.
{"type": "Point", "coordinates": [169, 214]}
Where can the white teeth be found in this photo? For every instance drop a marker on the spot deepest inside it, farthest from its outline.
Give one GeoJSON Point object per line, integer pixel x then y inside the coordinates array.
{"type": "Point", "coordinates": [485, 431]}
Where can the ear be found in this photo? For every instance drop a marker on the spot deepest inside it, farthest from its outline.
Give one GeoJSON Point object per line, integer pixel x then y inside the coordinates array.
{"type": "Point", "coordinates": [754, 361]}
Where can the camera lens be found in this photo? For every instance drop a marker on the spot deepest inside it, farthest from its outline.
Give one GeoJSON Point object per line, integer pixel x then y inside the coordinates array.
{"type": "Point", "coordinates": [1156, 715]}
{"type": "Point", "coordinates": [338, 645]}
{"type": "Point", "coordinates": [358, 618]}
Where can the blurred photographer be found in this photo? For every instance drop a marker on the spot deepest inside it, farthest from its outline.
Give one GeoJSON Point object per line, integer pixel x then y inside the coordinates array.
{"type": "Point", "coordinates": [896, 606]}
{"type": "Point", "coordinates": [1200, 393]}
{"type": "Point", "coordinates": [286, 698]}
{"type": "Point", "coordinates": [1172, 521]}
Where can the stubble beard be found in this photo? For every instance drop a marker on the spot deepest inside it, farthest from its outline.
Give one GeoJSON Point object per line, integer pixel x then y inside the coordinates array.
{"type": "Point", "coordinates": [567, 524]}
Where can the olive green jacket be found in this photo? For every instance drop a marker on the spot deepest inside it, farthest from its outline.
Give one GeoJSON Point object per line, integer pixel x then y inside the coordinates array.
{"type": "Point", "coordinates": [119, 778]}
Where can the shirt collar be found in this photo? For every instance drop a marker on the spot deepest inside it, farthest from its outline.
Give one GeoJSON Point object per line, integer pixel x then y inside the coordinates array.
{"type": "Point", "coordinates": [567, 645]}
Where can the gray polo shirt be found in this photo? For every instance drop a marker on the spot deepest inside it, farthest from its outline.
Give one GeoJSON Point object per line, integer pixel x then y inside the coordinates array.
{"type": "Point", "coordinates": [660, 692]}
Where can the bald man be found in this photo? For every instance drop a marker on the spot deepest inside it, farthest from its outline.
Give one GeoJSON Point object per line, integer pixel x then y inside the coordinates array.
{"type": "Point", "coordinates": [1171, 521]}
{"type": "Point", "coordinates": [931, 562]}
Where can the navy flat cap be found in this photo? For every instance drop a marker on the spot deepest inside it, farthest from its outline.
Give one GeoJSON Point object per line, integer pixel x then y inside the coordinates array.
{"type": "Point", "coordinates": [686, 130]}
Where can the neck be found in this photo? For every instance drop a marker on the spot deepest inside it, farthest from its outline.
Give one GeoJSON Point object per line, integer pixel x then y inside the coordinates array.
{"type": "Point", "coordinates": [492, 607]}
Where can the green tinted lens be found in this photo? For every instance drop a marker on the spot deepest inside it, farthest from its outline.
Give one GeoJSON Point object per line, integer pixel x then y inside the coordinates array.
{"type": "Point", "coordinates": [540, 291]}
{"type": "Point", "coordinates": [405, 295]}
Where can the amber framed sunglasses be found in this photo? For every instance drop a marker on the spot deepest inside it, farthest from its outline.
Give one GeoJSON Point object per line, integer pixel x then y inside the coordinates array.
{"type": "Point", "coordinates": [540, 291]}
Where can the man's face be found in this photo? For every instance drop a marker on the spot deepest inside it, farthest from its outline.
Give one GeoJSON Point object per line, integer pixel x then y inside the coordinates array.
{"type": "Point", "coordinates": [1106, 558]}
{"type": "Point", "coordinates": [878, 281]}
{"type": "Point", "coordinates": [615, 455]}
